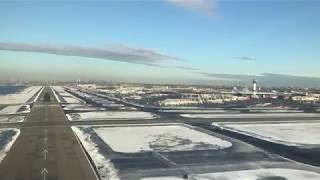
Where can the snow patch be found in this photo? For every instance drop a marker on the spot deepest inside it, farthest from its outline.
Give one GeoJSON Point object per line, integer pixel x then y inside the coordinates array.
{"type": "Point", "coordinates": [251, 115]}
{"type": "Point", "coordinates": [20, 97]}
{"type": "Point", "coordinates": [37, 97]}
{"type": "Point", "coordinates": [6, 148]}
{"type": "Point", "coordinates": [55, 94]}
{"type": "Point", "coordinates": [296, 134]}
{"type": "Point", "coordinates": [69, 98]}
{"type": "Point", "coordinates": [257, 174]}
{"type": "Point", "coordinates": [10, 109]}
{"type": "Point", "coordinates": [112, 115]}
{"type": "Point", "coordinates": [104, 166]}
{"type": "Point", "coordinates": [80, 107]}
{"type": "Point", "coordinates": [14, 109]}
{"type": "Point", "coordinates": [11, 119]}
{"type": "Point", "coordinates": [165, 138]}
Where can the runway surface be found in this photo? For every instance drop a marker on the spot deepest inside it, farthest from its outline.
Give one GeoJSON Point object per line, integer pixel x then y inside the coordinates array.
{"type": "Point", "coordinates": [46, 152]}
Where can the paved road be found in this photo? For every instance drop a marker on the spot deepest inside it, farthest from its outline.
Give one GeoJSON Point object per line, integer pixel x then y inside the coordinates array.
{"type": "Point", "coordinates": [161, 120]}
{"type": "Point", "coordinates": [52, 150]}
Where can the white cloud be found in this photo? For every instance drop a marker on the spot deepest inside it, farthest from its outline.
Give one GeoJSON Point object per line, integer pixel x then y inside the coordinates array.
{"type": "Point", "coordinates": [114, 52]}
{"type": "Point", "coordinates": [205, 6]}
{"type": "Point", "coordinates": [247, 58]}
{"type": "Point", "coordinates": [118, 53]}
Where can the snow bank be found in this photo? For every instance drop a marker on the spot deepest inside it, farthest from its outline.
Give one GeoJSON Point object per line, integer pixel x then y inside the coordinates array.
{"type": "Point", "coordinates": [165, 138]}
{"type": "Point", "coordinates": [112, 115]}
{"type": "Point", "coordinates": [7, 146]}
{"type": "Point", "coordinates": [20, 97]}
{"type": "Point", "coordinates": [104, 166]}
{"type": "Point", "coordinates": [251, 115]}
{"type": "Point", "coordinates": [295, 134]}
{"type": "Point", "coordinates": [258, 174]}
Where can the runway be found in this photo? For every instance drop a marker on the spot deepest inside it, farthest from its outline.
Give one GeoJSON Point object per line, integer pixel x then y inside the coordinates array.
{"type": "Point", "coordinates": [46, 152]}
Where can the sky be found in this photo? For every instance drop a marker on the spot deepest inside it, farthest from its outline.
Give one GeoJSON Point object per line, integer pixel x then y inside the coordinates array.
{"type": "Point", "coordinates": [162, 41]}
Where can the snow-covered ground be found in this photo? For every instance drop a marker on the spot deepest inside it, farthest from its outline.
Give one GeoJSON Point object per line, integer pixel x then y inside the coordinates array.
{"type": "Point", "coordinates": [82, 107]}
{"type": "Point", "coordinates": [275, 110]}
{"type": "Point", "coordinates": [69, 98]}
{"type": "Point", "coordinates": [251, 115]}
{"type": "Point", "coordinates": [163, 138]}
{"type": "Point", "coordinates": [276, 121]}
{"type": "Point", "coordinates": [257, 174]}
{"type": "Point", "coordinates": [11, 119]}
{"type": "Point", "coordinates": [296, 134]}
{"type": "Point", "coordinates": [38, 95]}
{"type": "Point", "coordinates": [112, 115]}
{"type": "Point", "coordinates": [14, 109]}
{"type": "Point", "coordinates": [59, 89]}
{"type": "Point", "coordinates": [128, 108]}
{"type": "Point", "coordinates": [113, 105]}
{"type": "Point", "coordinates": [104, 166]}
{"type": "Point", "coordinates": [4, 148]}
{"type": "Point", "coordinates": [20, 97]}
{"type": "Point", "coordinates": [55, 93]}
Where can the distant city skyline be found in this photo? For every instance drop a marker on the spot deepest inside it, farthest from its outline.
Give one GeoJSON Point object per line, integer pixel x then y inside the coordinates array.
{"type": "Point", "coordinates": [165, 41]}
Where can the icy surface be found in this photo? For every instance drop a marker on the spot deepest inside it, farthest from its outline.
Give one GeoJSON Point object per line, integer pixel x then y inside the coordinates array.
{"type": "Point", "coordinates": [110, 115]}
{"type": "Point", "coordinates": [6, 147]}
{"type": "Point", "coordinates": [258, 174]}
{"type": "Point", "coordinates": [251, 115]}
{"type": "Point", "coordinates": [104, 165]}
{"type": "Point", "coordinates": [20, 97]}
{"type": "Point", "coordinates": [165, 138]}
{"type": "Point", "coordinates": [287, 133]}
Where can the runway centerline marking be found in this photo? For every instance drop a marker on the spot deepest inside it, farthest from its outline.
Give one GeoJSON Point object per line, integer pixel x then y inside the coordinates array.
{"type": "Point", "coordinates": [44, 173]}
{"type": "Point", "coordinates": [45, 152]}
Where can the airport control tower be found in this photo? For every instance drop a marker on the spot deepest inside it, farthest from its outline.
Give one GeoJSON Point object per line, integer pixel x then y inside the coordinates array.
{"type": "Point", "coordinates": [254, 88]}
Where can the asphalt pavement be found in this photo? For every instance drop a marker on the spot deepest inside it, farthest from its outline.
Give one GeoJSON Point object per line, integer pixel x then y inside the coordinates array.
{"type": "Point", "coordinates": [46, 152]}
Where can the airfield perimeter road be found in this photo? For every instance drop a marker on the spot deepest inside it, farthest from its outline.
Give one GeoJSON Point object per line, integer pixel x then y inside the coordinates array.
{"type": "Point", "coordinates": [48, 151]}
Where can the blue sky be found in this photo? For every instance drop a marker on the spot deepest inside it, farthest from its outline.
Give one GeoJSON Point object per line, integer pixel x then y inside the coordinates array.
{"type": "Point", "coordinates": [159, 41]}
